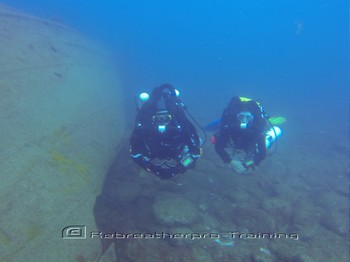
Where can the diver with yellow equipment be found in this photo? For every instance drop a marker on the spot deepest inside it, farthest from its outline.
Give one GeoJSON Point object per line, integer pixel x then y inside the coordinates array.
{"type": "Point", "coordinates": [246, 132]}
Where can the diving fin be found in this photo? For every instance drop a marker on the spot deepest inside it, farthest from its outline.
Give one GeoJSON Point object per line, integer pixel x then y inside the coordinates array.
{"type": "Point", "coordinates": [277, 120]}
{"type": "Point", "coordinates": [213, 126]}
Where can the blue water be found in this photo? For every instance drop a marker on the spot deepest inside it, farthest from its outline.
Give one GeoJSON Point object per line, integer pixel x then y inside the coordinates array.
{"type": "Point", "coordinates": [271, 50]}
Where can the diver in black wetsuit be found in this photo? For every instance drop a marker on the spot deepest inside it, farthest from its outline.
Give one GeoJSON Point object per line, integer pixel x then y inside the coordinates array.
{"type": "Point", "coordinates": [164, 141]}
{"type": "Point", "coordinates": [243, 126]}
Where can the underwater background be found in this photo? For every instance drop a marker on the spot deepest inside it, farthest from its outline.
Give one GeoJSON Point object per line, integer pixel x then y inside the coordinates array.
{"type": "Point", "coordinates": [291, 56]}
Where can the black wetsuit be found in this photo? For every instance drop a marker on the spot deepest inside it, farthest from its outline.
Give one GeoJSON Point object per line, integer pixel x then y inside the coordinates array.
{"type": "Point", "coordinates": [250, 139]}
{"type": "Point", "coordinates": [169, 146]}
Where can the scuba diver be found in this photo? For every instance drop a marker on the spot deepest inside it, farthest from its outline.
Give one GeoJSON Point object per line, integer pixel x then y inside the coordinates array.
{"type": "Point", "coordinates": [244, 134]}
{"type": "Point", "coordinates": [164, 141]}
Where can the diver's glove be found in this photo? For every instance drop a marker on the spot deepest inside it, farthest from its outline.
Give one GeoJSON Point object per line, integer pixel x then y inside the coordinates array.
{"type": "Point", "coordinates": [143, 161]}
{"type": "Point", "coordinates": [238, 166]}
{"type": "Point", "coordinates": [249, 164]}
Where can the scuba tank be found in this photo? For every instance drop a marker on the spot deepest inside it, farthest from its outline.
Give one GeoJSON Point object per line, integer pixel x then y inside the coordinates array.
{"type": "Point", "coordinates": [271, 135]}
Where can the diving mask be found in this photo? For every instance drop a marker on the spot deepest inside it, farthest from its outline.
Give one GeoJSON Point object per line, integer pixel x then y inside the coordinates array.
{"type": "Point", "coordinates": [162, 121]}
{"type": "Point", "coordinates": [245, 117]}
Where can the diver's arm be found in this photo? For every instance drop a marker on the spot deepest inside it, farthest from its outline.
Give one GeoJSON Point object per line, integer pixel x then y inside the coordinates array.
{"type": "Point", "coordinates": [139, 151]}
{"type": "Point", "coordinates": [223, 137]}
{"type": "Point", "coordinates": [261, 152]}
{"type": "Point", "coordinates": [222, 140]}
{"type": "Point", "coordinates": [136, 142]}
{"type": "Point", "coordinates": [193, 141]}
